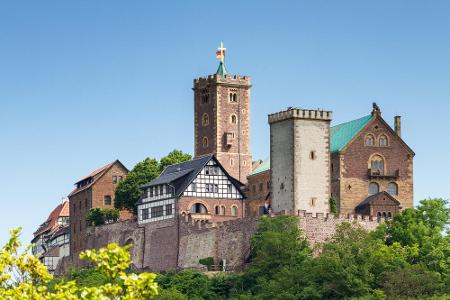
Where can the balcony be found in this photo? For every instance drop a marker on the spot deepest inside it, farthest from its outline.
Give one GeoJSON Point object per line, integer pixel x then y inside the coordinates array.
{"type": "Point", "coordinates": [200, 216]}
{"type": "Point", "coordinates": [229, 138]}
{"type": "Point", "coordinates": [376, 174]}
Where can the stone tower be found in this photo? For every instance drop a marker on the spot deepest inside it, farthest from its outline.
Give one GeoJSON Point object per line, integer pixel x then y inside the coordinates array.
{"type": "Point", "coordinates": [222, 120]}
{"type": "Point", "coordinates": [300, 160]}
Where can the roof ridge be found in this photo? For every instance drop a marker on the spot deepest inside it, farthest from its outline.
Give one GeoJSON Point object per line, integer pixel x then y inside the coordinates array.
{"type": "Point", "coordinates": [345, 123]}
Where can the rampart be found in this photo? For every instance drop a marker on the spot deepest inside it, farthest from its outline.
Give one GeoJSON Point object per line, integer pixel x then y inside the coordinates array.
{"type": "Point", "coordinates": [179, 244]}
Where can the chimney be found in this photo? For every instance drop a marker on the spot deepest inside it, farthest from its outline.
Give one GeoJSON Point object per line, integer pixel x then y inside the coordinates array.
{"type": "Point", "coordinates": [398, 125]}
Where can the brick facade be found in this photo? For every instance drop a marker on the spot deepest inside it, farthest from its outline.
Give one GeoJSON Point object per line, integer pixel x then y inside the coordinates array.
{"type": "Point", "coordinates": [93, 196]}
{"type": "Point", "coordinates": [185, 203]}
{"type": "Point", "coordinates": [224, 123]}
{"type": "Point", "coordinates": [258, 191]}
{"type": "Point", "coordinates": [350, 167]}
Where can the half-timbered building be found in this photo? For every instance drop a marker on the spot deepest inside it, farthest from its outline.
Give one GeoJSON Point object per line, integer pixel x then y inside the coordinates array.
{"type": "Point", "coordinates": [200, 188]}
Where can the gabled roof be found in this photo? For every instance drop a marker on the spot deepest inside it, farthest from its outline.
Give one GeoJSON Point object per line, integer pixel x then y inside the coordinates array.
{"type": "Point", "coordinates": [342, 134]}
{"type": "Point", "coordinates": [264, 166]}
{"type": "Point", "coordinates": [62, 210]}
{"type": "Point", "coordinates": [95, 175]}
{"type": "Point", "coordinates": [374, 197]}
{"type": "Point", "coordinates": [181, 175]}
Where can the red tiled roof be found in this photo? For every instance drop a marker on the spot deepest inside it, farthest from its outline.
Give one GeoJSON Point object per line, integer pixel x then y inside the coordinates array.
{"type": "Point", "coordinates": [94, 174]}
{"type": "Point", "coordinates": [62, 210]}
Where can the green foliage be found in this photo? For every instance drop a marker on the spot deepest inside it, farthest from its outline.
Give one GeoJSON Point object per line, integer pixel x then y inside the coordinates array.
{"type": "Point", "coordinates": [100, 216]}
{"type": "Point", "coordinates": [333, 206]}
{"type": "Point", "coordinates": [208, 262]}
{"type": "Point", "coordinates": [23, 276]}
{"type": "Point", "coordinates": [194, 284]}
{"type": "Point", "coordinates": [174, 157]}
{"type": "Point", "coordinates": [128, 191]}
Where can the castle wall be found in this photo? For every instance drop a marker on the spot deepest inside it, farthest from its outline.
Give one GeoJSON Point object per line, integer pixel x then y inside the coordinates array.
{"type": "Point", "coordinates": [258, 193]}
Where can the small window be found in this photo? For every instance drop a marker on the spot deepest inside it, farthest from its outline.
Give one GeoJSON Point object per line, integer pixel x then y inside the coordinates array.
{"type": "Point", "coordinates": [392, 189]}
{"type": "Point", "coordinates": [211, 188]}
{"type": "Point", "coordinates": [313, 201]}
{"type": "Point", "coordinates": [169, 209]}
{"type": "Point", "coordinates": [229, 188]}
{"type": "Point", "coordinates": [234, 211]}
{"type": "Point", "coordinates": [389, 215]}
{"type": "Point", "coordinates": [222, 210]}
{"type": "Point", "coordinates": [205, 99]}
{"type": "Point", "coordinates": [217, 210]}
{"type": "Point", "coordinates": [231, 162]}
{"type": "Point", "coordinates": [254, 188]}
{"type": "Point", "coordinates": [157, 211]}
{"type": "Point", "coordinates": [161, 189]}
{"type": "Point", "coordinates": [151, 191]}
{"type": "Point", "coordinates": [234, 97]}
{"type": "Point", "coordinates": [383, 141]}
{"type": "Point", "coordinates": [205, 119]}
{"type": "Point", "coordinates": [205, 142]}
{"type": "Point", "coordinates": [156, 190]}
{"type": "Point", "coordinates": [194, 187]}
{"type": "Point", "coordinates": [233, 119]}
{"type": "Point", "coordinates": [282, 186]}
{"type": "Point", "coordinates": [108, 200]}
{"type": "Point", "coordinates": [370, 141]}
{"type": "Point", "coordinates": [244, 162]}
{"type": "Point", "coordinates": [261, 186]}
{"type": "Point", "coordinates": [378, 216]}
{"type": "Point", "coordinates": [374, 188]}
{"type": "Point", "coordinates": [114, 179]}
{"type": "Point", "coordinates": [312, 155]}
{"type": "Point", "coordinates": [145, 214]}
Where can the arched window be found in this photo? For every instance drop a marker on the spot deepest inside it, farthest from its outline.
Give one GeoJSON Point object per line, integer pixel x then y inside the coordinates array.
{"type": "Point", "coordinates": [198, 208]}
{"type": "Point", "coordinates": [392, 189]}
{"type": "Point", "coordinates": [205, 142]}
{"type": "Point", "coordinates": [377, 165]}
{"type": "Point", "coordinates": [384, 215]}
{"type": "Point", "coordinates": [233, 119]}
{"type": "Point", "coordinates": [205, 119]}
{"type": "Point", "coordinates": [234, 211]}
{"type": "Point", "coordinates": [217, 210]}
{"type": "Point", "coordinates": [389, 215]}
{"type": "Point", "coordinates": [222, 210]}
{"type": "Point", "coordinates": [370, 140]}
{"type": "Point", "coordinates": [234, 97]}
{"type": "Point", "coordinates": [383, 141]}
{"type": "Point", "coordinates": [378, 216]}
{"type": "Point", "coordinates": [374, 188]}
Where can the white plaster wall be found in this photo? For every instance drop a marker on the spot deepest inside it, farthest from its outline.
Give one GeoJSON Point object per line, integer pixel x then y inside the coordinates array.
{"type": "Point", "coordinates": [281, 158]}
{"type": "Point", "coordinates": [311, 178]}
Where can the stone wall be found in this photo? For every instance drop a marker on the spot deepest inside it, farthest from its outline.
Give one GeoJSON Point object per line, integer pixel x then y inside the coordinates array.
{"type": "Point", "coordinates": [179, 244]}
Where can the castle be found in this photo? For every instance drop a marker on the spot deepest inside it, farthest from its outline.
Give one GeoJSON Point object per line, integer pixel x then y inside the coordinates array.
{"type": "Point", "coordinates": [210, 206]}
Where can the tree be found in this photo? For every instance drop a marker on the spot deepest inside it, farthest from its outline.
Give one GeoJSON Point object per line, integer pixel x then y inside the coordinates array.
{"type": "Point", "coordinates": [174, 157]}
{"type": "Point", "coordinates": [99, 216]}
{"type": "Point", "coordinates": [128, 191]}
{"type": "Point", "coordinates": [23, 276]}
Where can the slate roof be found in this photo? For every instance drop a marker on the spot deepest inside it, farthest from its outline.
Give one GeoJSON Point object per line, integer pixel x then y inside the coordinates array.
{"type": "Point", "coordinates": [181, 175]}
{"type": "Point", "coordinates": [221, 70]}
{"type": "Point", "coordinates": [342, 134]}
{"type": "Point", "coordinates": [376, 196]}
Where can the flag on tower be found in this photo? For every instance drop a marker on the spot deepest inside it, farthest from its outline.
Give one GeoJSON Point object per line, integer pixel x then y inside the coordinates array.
{"type": "Point", "coordinates": [220, 54]}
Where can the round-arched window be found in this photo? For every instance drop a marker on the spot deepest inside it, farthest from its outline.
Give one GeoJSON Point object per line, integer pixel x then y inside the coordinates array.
{"type": "Point", "coordinates": [370, 140]}
{"type": "Point", "coordinates": [374, 188]}
{"type": "Point", "coordinates": [392, 189]}
{"type": "Point", "coordinates": [383, 141]}
{"type": "Point", "coordinates": [205, 142]}
{"type": "Point", "coordinates": [377, 165]}
{"type": "Point", "coordinates": [234, 211]}
{"type": "Point", "coordinates": [222, 210]}
{"type": "Point", "coordinates": [233, 119]}
{"type": "Point", "coordinates": [205, 119]}
{"type": "Point", "coordinates": [198, 208]}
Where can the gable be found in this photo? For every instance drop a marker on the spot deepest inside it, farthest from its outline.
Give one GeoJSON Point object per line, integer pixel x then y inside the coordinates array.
{"type": "Point", "coordinates": [212, 181]}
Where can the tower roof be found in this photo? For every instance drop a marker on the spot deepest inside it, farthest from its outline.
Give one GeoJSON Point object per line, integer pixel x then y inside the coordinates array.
{"type": "Point", "coordinates": [222, 70]}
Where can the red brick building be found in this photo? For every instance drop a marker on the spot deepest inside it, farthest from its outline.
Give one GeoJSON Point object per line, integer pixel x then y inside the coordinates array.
{"type": "Point", "coordinates": [95, 190]}
{"type": "Point", "coordinates": [369, 160]}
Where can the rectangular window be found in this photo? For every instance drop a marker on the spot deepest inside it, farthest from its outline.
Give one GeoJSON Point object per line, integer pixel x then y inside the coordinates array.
{"type": "Point", "coordinates": [229, 188]}
{"type": "Point", "coordinates": [156, 191]}
{"type": "Point", "coordinates": [211, 188]}
{"type": "Point", "coordinates": [114, 179]}
{"type": "Point", "coordinates": [151, 191]}
{"type": "Point", "coordinates": [145, 214]}
{"type": "Point", "coordinates": [169, 209]}
{"type": "Point", "coordinates": [194, 187]}
{"type": "Point", "coordinates": [107, 200]}
{"type": "Point", "coordinates": [157, 211]}
{"type": "Point", "coordinates": [161, 190]}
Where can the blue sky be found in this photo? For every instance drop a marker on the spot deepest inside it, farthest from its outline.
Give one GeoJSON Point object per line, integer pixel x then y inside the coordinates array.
{"type": "Point", "coordinates": [83, 83]}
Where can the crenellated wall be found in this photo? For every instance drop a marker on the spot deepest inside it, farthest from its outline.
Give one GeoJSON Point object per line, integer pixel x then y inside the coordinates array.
{"type": "Point", "coordinates": [179, 244]}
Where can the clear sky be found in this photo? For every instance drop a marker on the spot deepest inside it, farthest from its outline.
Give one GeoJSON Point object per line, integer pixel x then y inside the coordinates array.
{"type": "Point", "coordinates": [83, 83]}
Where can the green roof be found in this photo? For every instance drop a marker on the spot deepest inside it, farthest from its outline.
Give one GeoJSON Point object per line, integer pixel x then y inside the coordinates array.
{"type": "Point", "coordinates": [342, 134]}
{"type": "Point", "coordinates": [264, 166]}
{"type": "Point", "coordinates": [222, 70]}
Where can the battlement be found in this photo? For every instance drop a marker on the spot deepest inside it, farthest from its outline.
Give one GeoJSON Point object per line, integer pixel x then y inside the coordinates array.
{"type": "Point", "coordinates": [347, 217]}
{"type": "Point", "coordinates": [226, 79]}
{"type": "Point", "coordinates": [299, 113]}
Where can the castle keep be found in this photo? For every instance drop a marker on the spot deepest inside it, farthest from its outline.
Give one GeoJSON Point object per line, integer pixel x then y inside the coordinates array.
{"type": "Point", "coordinates": [210, 206]}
